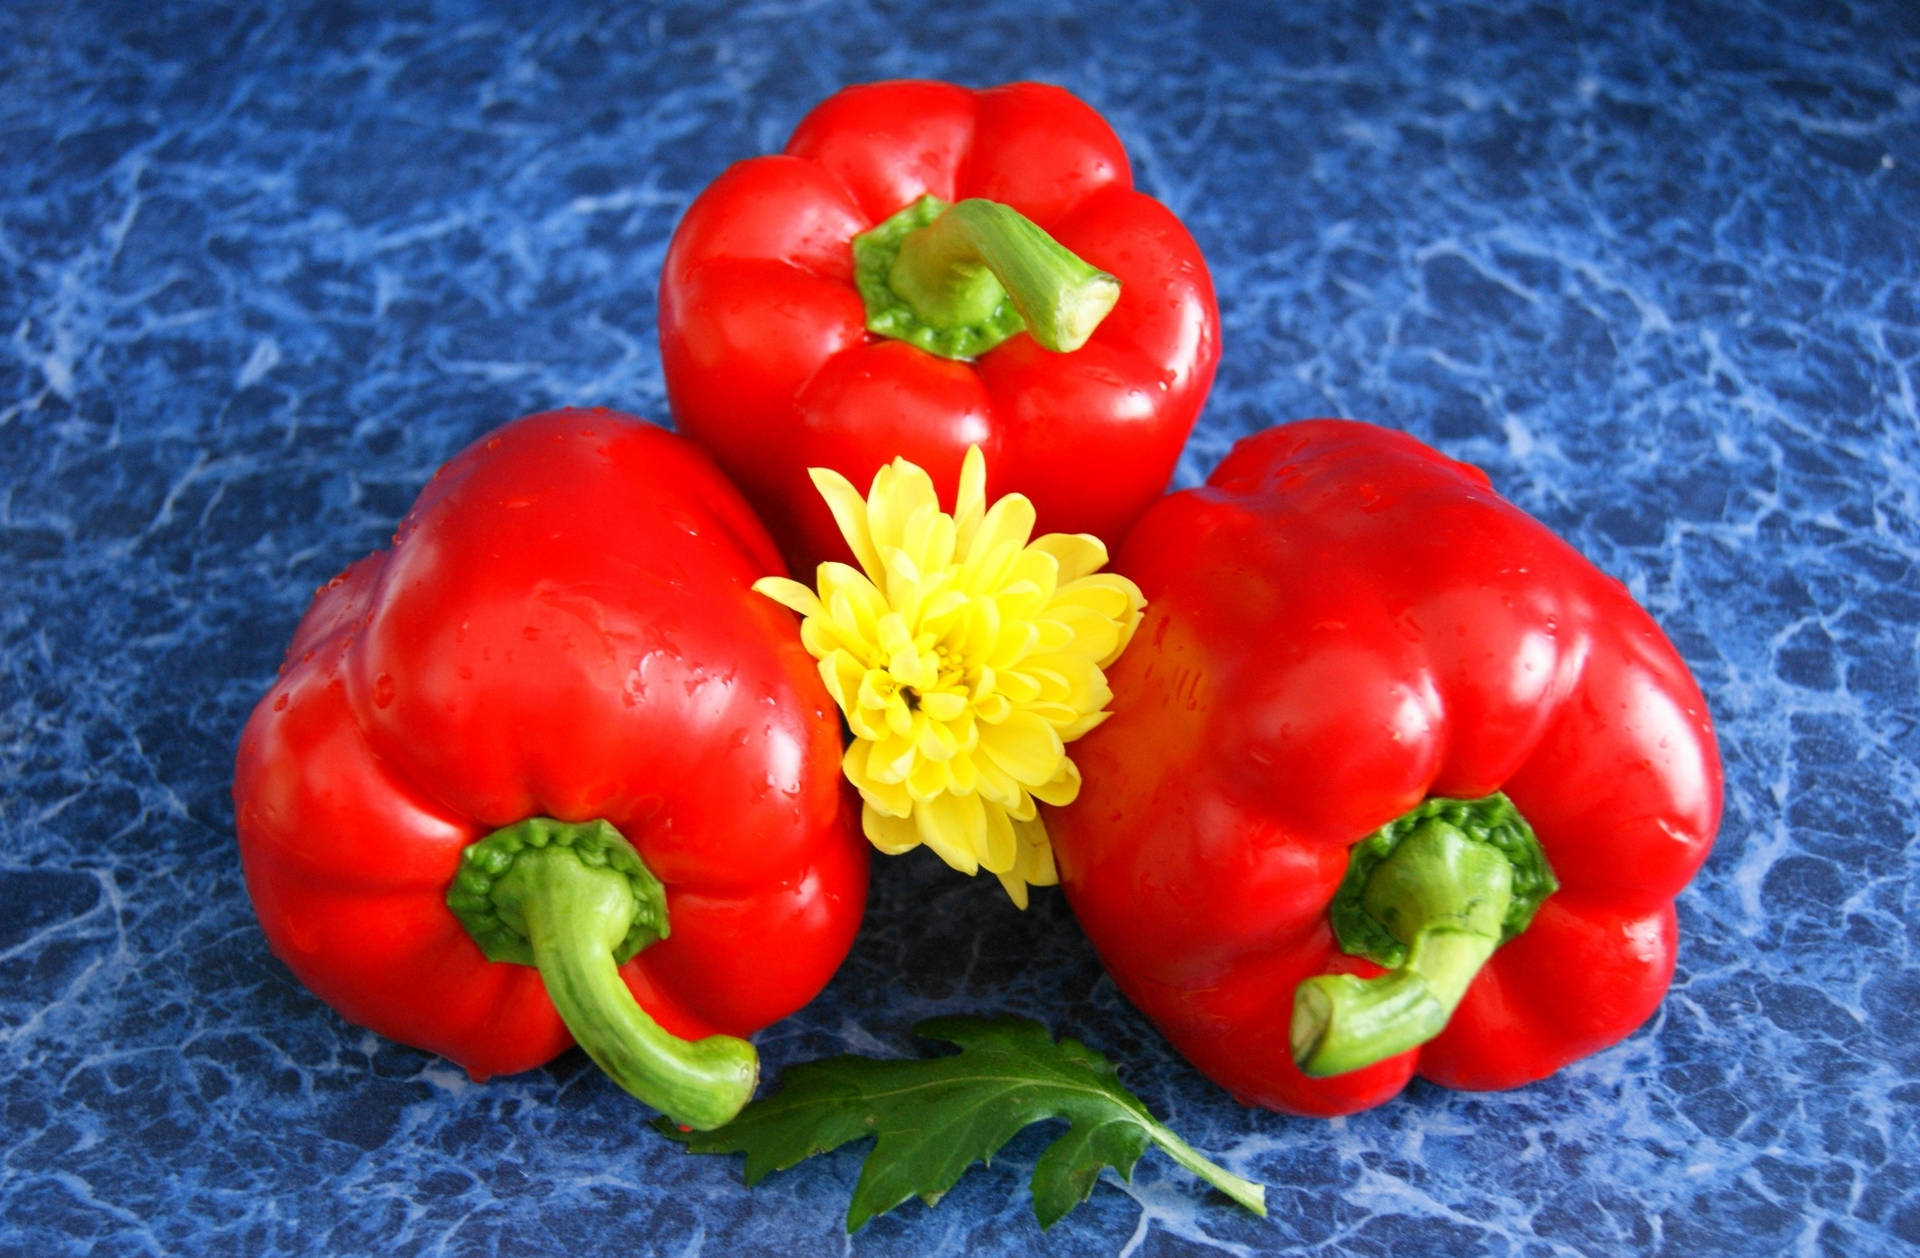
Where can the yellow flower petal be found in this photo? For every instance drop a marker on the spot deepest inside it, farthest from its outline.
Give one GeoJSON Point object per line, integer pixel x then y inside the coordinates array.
{"type": "Point", "coordinates": [1019, 688]}
{"type": "Point", "coordinates": [1053, 636]}
{"type": "Point", "coordinates": [890, 798]}
{"type": "Point", "coordinates": [1082, 727]}
{"type": "Point", "coordinates": [945, 612]}
{"type": "Point", "coordinates": [955, 827]}
{"type": "Point", "coordinates": [1076, 554]}
{"type": "Point", "coordinates": [1062, 789]}
{"type": "Point", "coordinates": [964, 771]}
{"type": "Point", "coordinates": [943, 705]}
{"type": "Point", "coordinates": [891, 835]}
{"type": "Point", "coordinates": [890, 758]}
{"type": "Point", "coordinates": [992, 708]}
{"type": "Point", "coordinates": [849, 513]}
{"type": "Point", "coordinates": [934, 740]}
{"type": "Point", "coordinates": [1000, 846]}
{"type": "Point", "coordinates": [1008, 524]}
{"type": "Point", "coordinates": [1036, 854]}
{"type": "Point", "coordinates": [970, 504]}
{"type": "Point", "coordinates": [789, 594]}
{"type": "Point", "coordinates": [930, 540]}
{"type": "Point", "coordinates": [1023, 745]}
{"type": "Point", "coordinates": [1071, 679]}
{"type": "Point", "coordinates": [842, 675]}
{"type": "Point", "coordinates": [899, 491]}
{"type": "Point", "coordinates": [1034, 864]}
{"type": "Point", "coordinates": [928, 780]}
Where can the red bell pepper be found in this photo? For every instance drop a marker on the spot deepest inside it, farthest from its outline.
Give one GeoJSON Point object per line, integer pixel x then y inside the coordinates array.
{"type": "Point", "coordinates": [1373, 715]}
{"type": "Point", "coordinates": [549, 765]}
{"type": "Point", "coordinates": [816, 310]}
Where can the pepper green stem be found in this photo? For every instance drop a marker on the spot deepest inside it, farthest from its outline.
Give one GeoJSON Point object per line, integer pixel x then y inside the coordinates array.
{"type": "Point", "coordinates": [956, 280]}
{"type": "Point", "coordinates": [1431, 897]}
{"type": "Point", "coordinates": [576, 902]}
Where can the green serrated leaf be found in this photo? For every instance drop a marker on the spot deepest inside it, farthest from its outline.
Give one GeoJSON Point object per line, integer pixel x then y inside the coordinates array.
{"type": "Point", "coordinates": [1065, 1174]}
{"type": "Point", "coordinates": [931, 1119]}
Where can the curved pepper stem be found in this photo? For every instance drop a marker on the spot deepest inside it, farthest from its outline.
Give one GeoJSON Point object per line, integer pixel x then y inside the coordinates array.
{"type": "Point", "coordinates": [1430, 896]}
{"type": "Point", "coordinates": [956, 280]}
{"type": "Point", "coordinates": [575, 901]}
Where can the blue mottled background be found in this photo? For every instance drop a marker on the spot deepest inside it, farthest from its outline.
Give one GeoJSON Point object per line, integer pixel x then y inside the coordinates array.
{"type": "Point", "coordinates": [263, 267]}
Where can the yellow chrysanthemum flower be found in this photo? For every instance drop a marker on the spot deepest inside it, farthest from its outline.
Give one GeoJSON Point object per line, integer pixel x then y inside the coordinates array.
{"type": "Point", "coordinates": [965, 654]}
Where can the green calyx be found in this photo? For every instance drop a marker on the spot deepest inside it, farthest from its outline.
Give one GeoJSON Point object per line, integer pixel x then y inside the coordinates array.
{"type": "Point", "coordinates": [499, 925]}
{"type": "Point", "coordinates": [575, 901]}
{"type": "Point", "coordinates": [957, 280]}
{"type": "Point", "coordinates": [1491, 820]}
{"type": "Point", "coordinates": [1429, 896]}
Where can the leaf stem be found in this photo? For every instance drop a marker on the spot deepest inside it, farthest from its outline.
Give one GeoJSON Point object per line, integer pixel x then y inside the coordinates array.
{"type": "Point", "coordinates": [1244, 1191]}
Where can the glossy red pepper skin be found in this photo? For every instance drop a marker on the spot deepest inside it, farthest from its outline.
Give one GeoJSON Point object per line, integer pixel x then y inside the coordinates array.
{"type": "Point", "coordinates": [769, 365]}
{"type": "Point", "coordinates": [1340, 624]}
{"type": "Point", "coordinates": [563, 628]}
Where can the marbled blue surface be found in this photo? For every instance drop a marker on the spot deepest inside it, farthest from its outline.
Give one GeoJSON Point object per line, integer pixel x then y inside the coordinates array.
{"type": "Point", "coordinates": [263, 267]}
